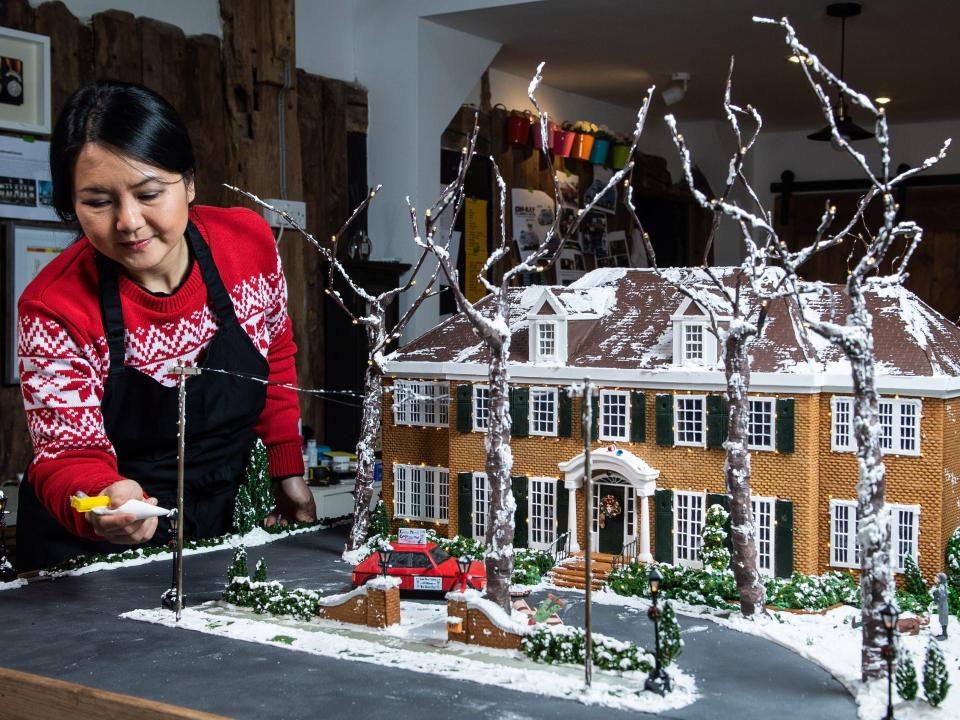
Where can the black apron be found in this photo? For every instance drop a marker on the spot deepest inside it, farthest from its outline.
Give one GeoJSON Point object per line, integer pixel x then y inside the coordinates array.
{"type": "Point", "coordinates": [141, 420]}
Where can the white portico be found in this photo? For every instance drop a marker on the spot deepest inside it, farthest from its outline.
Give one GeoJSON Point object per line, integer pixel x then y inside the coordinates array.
{"type": "Point", "coordinates": [617, 474]}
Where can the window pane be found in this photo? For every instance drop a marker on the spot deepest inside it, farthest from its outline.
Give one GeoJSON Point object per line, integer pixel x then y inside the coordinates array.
{"type": "Point", "coordinates": [614, 416]}
{"type": "Point", "coordinates": [400, 491]}
{"type": "Point", "coordinates": [842, 409]}
{"type": "Point", "coordinates": [693, 342]}
{"type": "Point", "coordinates": [481, 407]}
{"type": "Point", "coordinates": [841, 534]}
{"type": "Point", "coordinates": [763, 520]}
{"type": "Point", "coordinates": [689, 421]}
{"type": "Point", "coordinates": [444, 486]}
{"type": "Point", "coordinates": [689, 522]}
{"type": "Point", "coordinates": [546, 339]}
{"type": "Point", "coordinates": [542, 505]}
{"type": "Point", "coordinates": [761, 424]}
{"type": "Point", "coordinates": [480, 501]}
{"type": "Point", "coordinates": [544, 416]}
{"type": "Point", "coordinates": [908, 427]}
{"type": "Point", "coordinates": [885, 411]}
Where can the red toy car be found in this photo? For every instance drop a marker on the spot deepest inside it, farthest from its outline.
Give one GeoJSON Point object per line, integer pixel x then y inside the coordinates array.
{"type": "Point", "coordinates": [422, 567]}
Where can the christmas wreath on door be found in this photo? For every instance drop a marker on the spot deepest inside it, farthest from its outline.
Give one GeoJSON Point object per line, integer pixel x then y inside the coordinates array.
{"type": "Point", "coordinates": [609, 508]}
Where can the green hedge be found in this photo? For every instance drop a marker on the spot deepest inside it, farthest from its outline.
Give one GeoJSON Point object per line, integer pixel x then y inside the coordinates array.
{"type": "Point", "coordinates": [562, 644]}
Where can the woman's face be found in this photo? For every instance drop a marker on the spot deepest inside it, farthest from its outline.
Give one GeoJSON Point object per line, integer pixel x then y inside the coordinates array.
{"type": "Point", "coordinates": [134, 213]}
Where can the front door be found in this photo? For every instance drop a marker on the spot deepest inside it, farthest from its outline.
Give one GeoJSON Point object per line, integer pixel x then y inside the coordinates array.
{"type": "Point", "coordinates": [611, 515]}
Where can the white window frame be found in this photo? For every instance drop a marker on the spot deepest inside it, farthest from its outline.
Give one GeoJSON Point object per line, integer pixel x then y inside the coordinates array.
{"type": "Point", "coordinates": [900, 533]}
{"type": "Point", "coordinates": [751, 421]}
{"type": "Point", "coordinates": [703, 421]}
{"type": "Point", "coordinates": [894, 430]}
{"type": "Point", "coordinates": [478, 425]}
{"type": "Point", "coordinates": [532, 426]}
{"type": "Point", "coordinates": [421, 403]}
{"type": "Point", "coordinates": [686, 343]}
{"type": "Point", "coordinates": [687, 540]}
{"type": "Point", "coordinates": [604, 395]}
{"type": "Point", "coordinates": [479, 505]}
{"type": "Point", "coordinates": [410, 488]}
{"type": "Point", "coordinates": [542, 512]}
{"type": "Point", "coordinates": [544, 341]}
{"type": "Point", "coordinates": [841, 424]}
{"type": "Point", "coordinates": [766, 558]}
{"type": "Point", "coordinates": [891, 413]}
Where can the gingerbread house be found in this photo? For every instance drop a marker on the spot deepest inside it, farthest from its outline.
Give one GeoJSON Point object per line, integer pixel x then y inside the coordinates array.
{"type": "Point", "coordinates": [660, 421]}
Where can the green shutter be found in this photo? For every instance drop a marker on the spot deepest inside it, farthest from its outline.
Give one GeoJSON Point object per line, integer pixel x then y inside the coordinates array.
{"type": "Point", "coordinates": [785, 425]}
{"type": "Point", "coordinates": [465, 504]}
{"type": "Point", "coordinates": [724, 502]}
{"type": "Point", "coordinates": [595, 426]}
{"type": "Point", "coordinates": [563, 507]}
{"type": "Point", "coordinates": [663, 525]}
{"type": "Point", "coordinates": [521, 531]}
{"type": "Point", "coordinates": [717, 420]}
{"type": "Point", "coordinates": [565, 413]}
{"type": "Point", "coordinates": [464, 408]}
{"type": "Point", "coordinates": [638, 417]}
{"type": "Point", "coordinates": [664, 410]}
{"type": "Point", "coordinates": [783, 539]}
{"type": "Point", "coordinates": [519, 412]}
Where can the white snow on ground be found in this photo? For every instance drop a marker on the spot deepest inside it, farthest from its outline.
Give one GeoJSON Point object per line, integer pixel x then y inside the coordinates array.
{"type": "Point", "coordinates": [419, 644]}
{"type": "Point", "coordinates": [12, 584]}
{"type": "Point", "coordinates": [829, 641]}
{"type": "Point", "coordinates": [254, 538]}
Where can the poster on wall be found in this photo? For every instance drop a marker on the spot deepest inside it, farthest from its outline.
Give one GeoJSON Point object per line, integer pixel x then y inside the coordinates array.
{"type": "Point", "coordinates": [569, 189]}
{"type": "Point", "coordinates": [26, 190]}
{"type": "Point", "coordinates": [619, 252]}
{"type": "Point", "coordinates": [475, 247]}
{"type": "Point", "coordinates": [570, 265]}
{"type": "Point", "coordinates": [593, 235]}
{"type": "Point", "coordinates": [532, 217]}
{"type": "Point", "coordinates": [608, 201]}
{"type": "Point", "coordinates": [29, 250]}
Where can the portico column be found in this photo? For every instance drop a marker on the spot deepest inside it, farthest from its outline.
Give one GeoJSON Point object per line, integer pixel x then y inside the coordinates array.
{"type": "Point", "coordinates": [572, 519]}
{"type": "Point", "coordinates": [644, 554]}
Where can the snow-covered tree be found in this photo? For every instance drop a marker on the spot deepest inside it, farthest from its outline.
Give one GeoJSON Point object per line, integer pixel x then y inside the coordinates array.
{"type": "Point", "coordinates": [491, 326]}
{"type": "Point", "coordinates": [238, 567]}
{"type": "Point", "coordinates": [713, 549]}
{"type": "Point", "coordinates": [671, 644]}
{"type": "Point", "coordinates": [882, 267]}
{"type": "Point", "coordinates": [906, 677]}
{"type": "Point", "coordinates": [736, 305]}
{"type": "Point", "coordinates": [936, 677]}
{"type": "Point", "coordinates": [374, 323]}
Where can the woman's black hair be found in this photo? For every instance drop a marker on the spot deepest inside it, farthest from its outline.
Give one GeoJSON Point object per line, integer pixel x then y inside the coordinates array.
{"type": "Point", "coordinates": [130, 119]}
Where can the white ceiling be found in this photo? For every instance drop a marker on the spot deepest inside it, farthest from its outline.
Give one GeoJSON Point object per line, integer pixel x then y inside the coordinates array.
{"type": "Point", "coordinates": [612, 50]}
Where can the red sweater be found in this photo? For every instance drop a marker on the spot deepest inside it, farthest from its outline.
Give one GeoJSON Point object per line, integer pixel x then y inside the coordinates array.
{"type": "Point", "coordinates": [64, 359]}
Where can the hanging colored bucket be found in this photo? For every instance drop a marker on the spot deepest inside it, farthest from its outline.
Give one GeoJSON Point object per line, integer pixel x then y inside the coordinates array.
{"type": "Point", "coordinates": [598, 156]}
{"type": "Point", "coordinates": [538, 140]}
{"type": "Point", "coordinates": [518, 129]}
{"type": "Point", "coordinates": [582, 146]}
{"type": "Point", "coordinates": [618, 156]}
{"type": "Point", "coordinates": [563, 142]}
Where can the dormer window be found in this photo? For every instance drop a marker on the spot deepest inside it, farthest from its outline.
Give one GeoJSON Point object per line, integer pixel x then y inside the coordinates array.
{"type": "Point", "coordinates": [692, 344]}
{"type": "Point", "coordinates": [547, 330]}
{"type": "Point", "coordinates": [546, 340]}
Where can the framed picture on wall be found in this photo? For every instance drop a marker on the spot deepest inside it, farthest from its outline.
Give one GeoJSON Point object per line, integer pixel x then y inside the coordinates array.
{"type": "Point", "coordinates": [25, 104]}
{"type": "Point", "coordinates": [28, 249]}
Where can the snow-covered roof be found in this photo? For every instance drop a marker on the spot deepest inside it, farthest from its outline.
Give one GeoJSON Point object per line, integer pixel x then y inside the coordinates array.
{"type": "Point", "coordinates": [621, 319]}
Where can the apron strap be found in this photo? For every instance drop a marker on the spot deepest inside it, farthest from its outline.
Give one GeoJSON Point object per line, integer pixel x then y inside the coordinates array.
{"type": "Point", "coordinates": [216, 293]}
{"type": "Point", "coordinates": [112, 311]}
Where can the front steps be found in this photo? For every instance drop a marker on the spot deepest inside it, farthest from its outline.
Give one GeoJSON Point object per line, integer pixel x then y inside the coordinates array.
{"type": "Point", "coordinates": [571, 573]}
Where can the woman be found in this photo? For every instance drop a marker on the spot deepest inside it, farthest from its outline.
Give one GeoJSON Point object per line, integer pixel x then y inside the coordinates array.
{"type": "Point", "coordinates": [152, 283]}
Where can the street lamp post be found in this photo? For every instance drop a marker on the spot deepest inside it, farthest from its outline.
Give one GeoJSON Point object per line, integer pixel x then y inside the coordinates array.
{"type": "Point", "coordinates": [658, 681]}
{"type": "Point", "coordinates": [463, 565]}
{"type": "Point", "coordinates": [384, 555]}
{"type": "Point", "coordinates": [7, 573]}
{"type": "Point", "coordinates": [889, 613]}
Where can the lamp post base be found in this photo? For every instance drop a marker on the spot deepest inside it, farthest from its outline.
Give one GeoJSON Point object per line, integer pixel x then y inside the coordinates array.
{"type": "Point", "coordinates": [659, 682]}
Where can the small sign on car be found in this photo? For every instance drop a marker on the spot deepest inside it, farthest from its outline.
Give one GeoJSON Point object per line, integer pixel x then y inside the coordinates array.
{"type": "Point", "coordinates": [426, 582]}
{"type": "Point", "coordinates": [412, 536]}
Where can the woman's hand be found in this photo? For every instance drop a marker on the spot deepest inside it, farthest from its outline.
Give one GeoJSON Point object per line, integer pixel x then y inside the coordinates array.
{"type": "Point", "coordinates": [294, 502]}
{"type": "Point", "coordinates": [123, 529]}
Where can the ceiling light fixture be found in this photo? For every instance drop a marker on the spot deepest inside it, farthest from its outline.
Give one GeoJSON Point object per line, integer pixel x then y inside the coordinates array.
{"type": "Point", "coordinates": [882, 100]}
{"type": "Point", "coordinates": [675, 93]}
{"type": "Point", "coordinates": [847, 128]}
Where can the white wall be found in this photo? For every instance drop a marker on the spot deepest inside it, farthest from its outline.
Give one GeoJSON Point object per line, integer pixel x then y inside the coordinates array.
{"type": "Point", "coordinates": [195, 17]}
{"type": "Point", "coordinates": [325, 38]}
{"type": "Point", "coordinates": [809, 160]}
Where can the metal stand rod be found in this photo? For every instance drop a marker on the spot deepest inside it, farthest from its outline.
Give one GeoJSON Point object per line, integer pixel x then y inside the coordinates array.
{"type": "Point", "coordinates": [586, 423]}
{"type": "Point", "coordinates": [182, 372]}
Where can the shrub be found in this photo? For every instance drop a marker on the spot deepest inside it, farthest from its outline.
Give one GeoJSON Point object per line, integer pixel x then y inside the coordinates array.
{"type": "Point", "coordinates": [906, 677]}
{"type": "Point", "coordinates": [715, 556]}
{"type": "Point", "coordinates": [913, 580]}
{"type": "Point", "coordinates": [935, 677]}
{"type": "Point", "coordinates": [564, 644]}
{"type": "Point", "coordinates": [260, 574]}
{"type": "Point", "coordinates": [671, 644]}
{"type": "Point", "coordinates": [238, 568]}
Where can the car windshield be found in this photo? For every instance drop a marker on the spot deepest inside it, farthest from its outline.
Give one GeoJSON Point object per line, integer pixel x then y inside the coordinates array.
{"type": "Point", "coordinates": [409, 560]}
{"type": "Point", "coordinates": [439, 555]}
